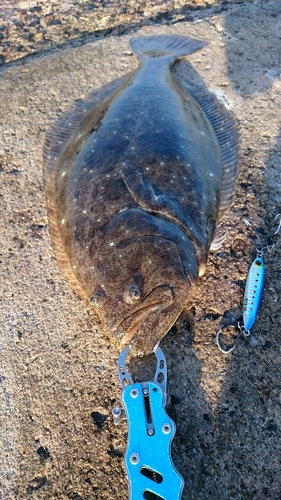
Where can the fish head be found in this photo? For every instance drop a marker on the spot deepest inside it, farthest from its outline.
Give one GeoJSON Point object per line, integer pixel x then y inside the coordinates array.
{"type": "Point", "coordinates": [141, 289]}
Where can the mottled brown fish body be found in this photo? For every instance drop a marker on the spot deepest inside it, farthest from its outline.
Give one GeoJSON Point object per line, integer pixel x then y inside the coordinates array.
{"type": "Point", "coordinates": [136, 180]}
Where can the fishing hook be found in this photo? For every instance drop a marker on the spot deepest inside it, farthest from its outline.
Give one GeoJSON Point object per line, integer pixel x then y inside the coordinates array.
{"type": "Point", "coordinates": [224, 351]}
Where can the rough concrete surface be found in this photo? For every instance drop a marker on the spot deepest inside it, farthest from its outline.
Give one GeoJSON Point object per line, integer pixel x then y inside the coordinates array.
{"type": "Point", "coordinates": [30, 26]}
{"type": "Point", "coordinates": [58, 377]}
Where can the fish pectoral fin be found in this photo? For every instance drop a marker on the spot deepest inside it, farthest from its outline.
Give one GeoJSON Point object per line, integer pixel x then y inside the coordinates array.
{"type": "Point", "coordinates": [143, 192]}
{"type": "Point", "coordinates": [140, 187]}
{"type": "Point", "coordinates": [218, 240]}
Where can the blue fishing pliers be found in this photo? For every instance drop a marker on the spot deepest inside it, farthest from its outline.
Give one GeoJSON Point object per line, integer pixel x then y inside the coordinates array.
{"type": "Point", "coordinates": [150, 469]}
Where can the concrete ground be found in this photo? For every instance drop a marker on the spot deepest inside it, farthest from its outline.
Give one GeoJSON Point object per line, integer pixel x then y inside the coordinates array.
{"type": "Point", "coordinates": [58, 379]}
{"type": "Point", "coordinates": [31, 26]}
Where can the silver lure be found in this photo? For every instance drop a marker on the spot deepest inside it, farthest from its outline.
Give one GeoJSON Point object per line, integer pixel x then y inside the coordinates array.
{"type": "Point", "coordinates": [253, 295]}
{"type": "Point", "coordinates": [254, 285]}
{"type": "Point", "coordinates": [252, 300]}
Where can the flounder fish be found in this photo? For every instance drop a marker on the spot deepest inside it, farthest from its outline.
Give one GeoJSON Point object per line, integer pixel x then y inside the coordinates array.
{"type": "Point", "coordinates": [136, 179]}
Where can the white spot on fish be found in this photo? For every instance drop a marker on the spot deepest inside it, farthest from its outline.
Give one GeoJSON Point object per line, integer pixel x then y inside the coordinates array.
{"type": "Point", "coordinates": [84, 211]}
{"type": "Point", "coordinates": [63, 174]}
{"type": "Point", "coordinates": [74, 267]}
{"type": "Point", "coordinates": [111, 244]}
{"type": "Point", "coordinates": [63, 221]}
{"type": "Point", "coordinates": [107, 175]}
{"type": "Point", "coordinates": [211, 175]}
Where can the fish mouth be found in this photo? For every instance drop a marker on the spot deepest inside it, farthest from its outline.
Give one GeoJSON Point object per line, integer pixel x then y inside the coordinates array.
{"type": "Point", "coordinates": [160, 298]}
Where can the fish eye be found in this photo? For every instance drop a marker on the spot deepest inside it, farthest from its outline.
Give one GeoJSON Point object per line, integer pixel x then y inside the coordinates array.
{"type": "Point", "coordinates": [97, 298]}
{"type": "Point", "coordinates": [132, 294]}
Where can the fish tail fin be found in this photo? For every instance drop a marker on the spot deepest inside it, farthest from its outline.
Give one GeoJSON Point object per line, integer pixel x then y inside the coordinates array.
{"type": "Point", "coordinates": [170, 47]}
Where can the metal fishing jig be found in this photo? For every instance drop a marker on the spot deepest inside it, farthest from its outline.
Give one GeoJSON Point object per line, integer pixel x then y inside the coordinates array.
{"type": "Point", "coordinates": [151, 472]}
{"type": "Point", "coordinates": [254, 286]}
{"type": "Point", "coordinates": [253, 295]}
{"type": "Point", "coordinates": [252, 300]}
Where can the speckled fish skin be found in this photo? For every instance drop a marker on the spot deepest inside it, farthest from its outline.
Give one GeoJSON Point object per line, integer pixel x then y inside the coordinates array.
{"type": "Point", "coordinates": [136, 179]}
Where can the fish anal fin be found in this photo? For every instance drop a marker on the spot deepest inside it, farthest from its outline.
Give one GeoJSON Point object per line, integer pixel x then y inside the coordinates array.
{"type": "Point", "coordinates": [225, 127]}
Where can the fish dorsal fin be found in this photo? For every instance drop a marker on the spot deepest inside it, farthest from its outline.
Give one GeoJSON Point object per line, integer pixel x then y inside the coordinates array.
{"type": "Point", "coordinates": [83, 112]}
{"type": "Point", "coordinates": [61, 141]}
{"type": "Point", "coordinates": [225, 127]}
